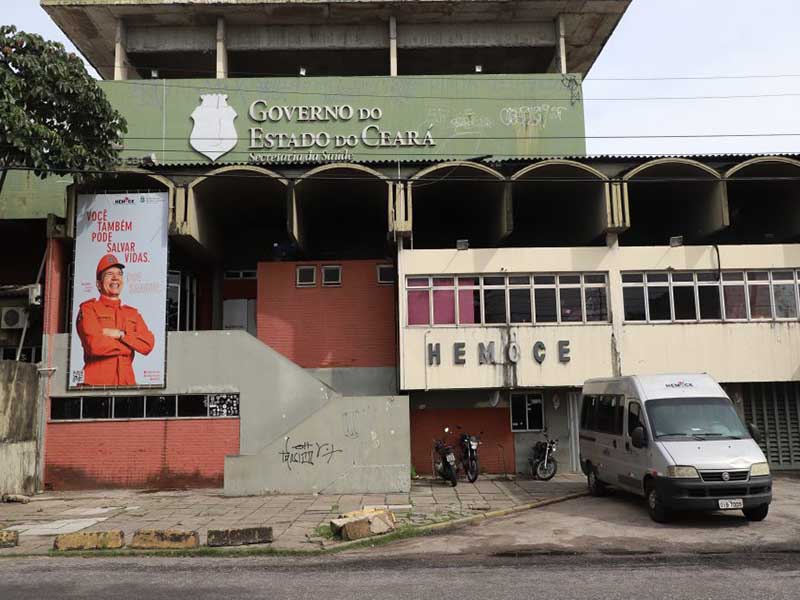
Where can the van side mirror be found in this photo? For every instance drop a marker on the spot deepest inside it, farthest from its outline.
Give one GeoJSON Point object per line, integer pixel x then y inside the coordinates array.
{"type": "Point", "coordinates": [755, 432]}
{"type": "Point", "coordinates": [639, 437]}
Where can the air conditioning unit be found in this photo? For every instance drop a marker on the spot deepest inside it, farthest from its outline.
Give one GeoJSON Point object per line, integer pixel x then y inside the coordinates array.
{"type": "Point", "coordinates": [13, 317]}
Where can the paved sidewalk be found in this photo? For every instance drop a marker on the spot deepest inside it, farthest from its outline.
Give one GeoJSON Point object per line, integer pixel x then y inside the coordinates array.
{"type": "Point", "coordinates": [295, 519]}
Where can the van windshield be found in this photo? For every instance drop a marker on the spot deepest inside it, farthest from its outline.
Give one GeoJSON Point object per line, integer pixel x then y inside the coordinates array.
{"type": "Point", "coordinates": [695, 419]}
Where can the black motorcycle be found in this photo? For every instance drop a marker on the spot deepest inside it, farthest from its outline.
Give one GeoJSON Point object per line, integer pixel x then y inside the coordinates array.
{"type": "Point", "coordinates": [469, 455]}
{"type": "Point", "coordinates": [543, 461]}
{"type": "Point", "coordinates": [444, 460]}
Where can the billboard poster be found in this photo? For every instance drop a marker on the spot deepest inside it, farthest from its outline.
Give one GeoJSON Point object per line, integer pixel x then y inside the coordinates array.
{"type": "Point", "coordinates": [119, 291]}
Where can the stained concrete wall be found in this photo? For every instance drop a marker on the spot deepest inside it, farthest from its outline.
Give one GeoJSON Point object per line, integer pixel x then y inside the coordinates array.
{"type": "Point", "coordinates": [351, 445]}
{"type": "Point", "coordinates": [359, 381]}
{"type": "Point", "coordinates": [557, 422]}
{"type": "Point", "coordinates": [18, 426]}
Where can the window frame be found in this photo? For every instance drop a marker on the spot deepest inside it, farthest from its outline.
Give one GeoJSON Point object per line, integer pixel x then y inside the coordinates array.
{"type": "Point", "coordinates": [537, 398]}
{"type": "Point", "coordinates": [331, 268]}
{"type": "Point", "coordinates": [298, 270]}
{"type": "Point", "coordinates": [175, 401]}
{"type": "Point", "coordinates": [380, 281]}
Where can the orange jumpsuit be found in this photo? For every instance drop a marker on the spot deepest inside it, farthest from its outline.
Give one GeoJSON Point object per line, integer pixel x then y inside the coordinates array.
{"type": "Point", "coordinates": [109, 361]}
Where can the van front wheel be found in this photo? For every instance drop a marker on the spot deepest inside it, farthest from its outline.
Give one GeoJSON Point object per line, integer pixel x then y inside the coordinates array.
{"type": "Point", "coordinates": [596, 487]}
{"type": "Point", "coordinates": [658, 512]}
{"type": "Point", "coordinates": [759, 513]}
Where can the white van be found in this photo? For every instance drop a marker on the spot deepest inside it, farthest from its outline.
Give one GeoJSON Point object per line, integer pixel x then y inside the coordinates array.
{"type": "Point", "coordinates": [674, 439]}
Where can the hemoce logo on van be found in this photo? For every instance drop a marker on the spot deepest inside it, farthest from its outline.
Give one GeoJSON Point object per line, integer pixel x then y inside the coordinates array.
{"type": "Point", "coordinates": [679, 384]}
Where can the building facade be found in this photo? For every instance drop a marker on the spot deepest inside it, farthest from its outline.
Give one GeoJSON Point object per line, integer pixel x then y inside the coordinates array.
{"type": "Point", "coordinates": [382, 221]}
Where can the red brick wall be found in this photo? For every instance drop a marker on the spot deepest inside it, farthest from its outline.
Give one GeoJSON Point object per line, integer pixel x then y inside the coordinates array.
{"type": "Point", "coordinates": [497, 441]}
{"type": "Point", "coordinates": [348, 326]}
{"type": "Point", "coordinates": [159, 453]}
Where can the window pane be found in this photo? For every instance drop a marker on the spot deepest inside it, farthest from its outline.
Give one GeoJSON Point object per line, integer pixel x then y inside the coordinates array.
{"type": "Point", "coordinates": [783, 276]}
{"type": "Point", "coordinates": [759, 302]}
{"type": "Point", "coordinates": [682, 277]}
{"type": "Point", "coordinates": [160, 406]}
{"type": "Point", "coordinates": [785, 302]}
{"type": "Point", "coordinates": [128, 407]}
{"type": "Point", "coordinates": [734, 302]}
{"type": "Point", "coordinates": [444, 309]}
{"type": "Point", "coordinates": [520, 305]}
{"type": "Point", "coordinates": [658, 301]}
{"type": "Point", "coordinates": [569, 279]}
{"type": "Point", "coordinates": [535, 416]}
{"type": "Point", "coordinates": [417, 282]}
{"type": "Point", "coordinates": [633, 299]}
{"type": "Point", "coordinates": [306, 275]}
{"type": "Point", "coordinates": [65, 408]}
{"type": "Point", "coordinates": [442, 281]}
{"type": "Point", "coordinates": [708, 276]}
{"type": "Point", "coordinates": [571, 304]}
{"type": "Point", "coordinates": [331, 275]}
{"type": "Point", "coordinates": [469, 306]}
{"type": "Point", "coordinates": [634, 418]}
{"type": "Point", "coordinates": [658, 277]}
{"type": "Point", "coordinates": [632, 278]}
{"type": "Point", "coordinates": [519, 280]}
{"type": "Point", "coordinates": [495, 306]}
{"type": "Point", "coordinates": [97, 408]}
{"type": "Point", "coordinates": [734, 276]}
{"type": "Point", "coordinates": [518, 412]}
{"type": "Point", "coordinates": [173, 303]}
{"type": "Point", "coordinates": [545, 302]}
{"type": "Point", "coordinates": [223, 405]}
{"type": "Point", "coordinates": [544, 279]}
{"type": "Point", "coordinates": [757, 276]}
{"type": "Point", "coordinates": [418, 307]}
{"type": "Point", "coordinates": [683, 297]}
{"type": "Point", "coordinates": [386, 274]}
{"type": "Point", "coordinates": [596, 304]}
{"type": "Point", "coordinates": [467, 281]}
{"type": "Point", "coordinates": [192, 405]}
{"type": "Point", "coordinates": [594, 278]}
{"type": "Point", "coordinates": [709, 302]}
{"type": "Point", "coordinates": [494, 281]}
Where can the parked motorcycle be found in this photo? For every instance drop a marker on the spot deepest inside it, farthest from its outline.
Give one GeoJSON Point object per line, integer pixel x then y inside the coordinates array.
{"type": "Point", "coordinates": [543, 461]}
{"type": "Point", "coordinates": [444, 461]}
{"type": "Point", "coordinates": [469, 455]}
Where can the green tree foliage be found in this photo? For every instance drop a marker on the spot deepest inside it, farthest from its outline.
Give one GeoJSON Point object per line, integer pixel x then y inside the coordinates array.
{"type": "Point", "coordinates": [53, 115]}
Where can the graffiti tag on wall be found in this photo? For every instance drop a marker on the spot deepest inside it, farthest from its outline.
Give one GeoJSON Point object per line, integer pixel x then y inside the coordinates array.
{"type": "Point", "coordinates": [307, 453]}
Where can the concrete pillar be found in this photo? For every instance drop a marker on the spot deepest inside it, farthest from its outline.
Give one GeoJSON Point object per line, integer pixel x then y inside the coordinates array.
{"type": "Point", "coordinates": [120, 52]}
{"type": "Point", "coordinates": [561, 45]}
{"type": "Point", "coordinates": [222, 50]}
{"type": "Point", "coordinates": [393, 46]}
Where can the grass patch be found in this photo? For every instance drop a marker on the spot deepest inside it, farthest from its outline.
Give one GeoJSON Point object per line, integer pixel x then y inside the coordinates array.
{"type": "Point", "coordinates": [323, 530]}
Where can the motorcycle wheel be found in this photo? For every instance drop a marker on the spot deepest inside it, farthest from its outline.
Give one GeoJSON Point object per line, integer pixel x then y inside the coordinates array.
{"type": "Point", "coordinates": [546, 470]}
{"type": "Point", "coordinates": [450, 475]}
{"type": "Point", "coordinates": [472, 470]}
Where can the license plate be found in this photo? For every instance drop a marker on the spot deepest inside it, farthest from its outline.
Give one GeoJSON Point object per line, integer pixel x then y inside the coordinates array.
{"type": "Point", "coordinates": [731, 504]}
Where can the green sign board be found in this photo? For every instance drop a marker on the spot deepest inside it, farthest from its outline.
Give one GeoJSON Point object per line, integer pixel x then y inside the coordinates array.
{"type": "Point", "coordinates": [360, 119]}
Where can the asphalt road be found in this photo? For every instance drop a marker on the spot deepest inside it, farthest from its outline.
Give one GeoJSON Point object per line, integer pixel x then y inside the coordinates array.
{"type": "Point", "coordinates": [443, 578]}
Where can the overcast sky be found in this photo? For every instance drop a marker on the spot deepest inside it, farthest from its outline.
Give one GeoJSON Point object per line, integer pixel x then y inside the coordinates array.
{"type": "Point", "coordinates": [698, 39]}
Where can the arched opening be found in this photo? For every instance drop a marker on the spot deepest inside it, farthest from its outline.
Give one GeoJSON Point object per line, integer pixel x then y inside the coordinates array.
{"type": "Point", "coordinates": [763, 201]}
{"type": "Point", "coordinates": [559, 203]}
{"type": "Point", "coordinates": [672, 197]}
{"type": "Point", "coordinates": [341, 211]}
{"type": "Point", "coordinates": [459, 200]}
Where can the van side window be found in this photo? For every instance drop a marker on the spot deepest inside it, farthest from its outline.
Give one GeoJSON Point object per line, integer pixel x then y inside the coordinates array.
{"type": "Point", "coordinates": [589, 413]}
{"type": "Point", "coordinates": [610, 414]}
{"type": "Point", "coordinates": [634, 417]}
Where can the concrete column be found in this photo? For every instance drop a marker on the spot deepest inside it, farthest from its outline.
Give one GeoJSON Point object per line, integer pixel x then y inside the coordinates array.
{"type": "Point", "coordinates": [120, 52]}
{"type": "Point", "coordinates": [616, 305]}
{"type": "Point", "coordinates": [561, 45]}
{"type": "Point", "coordinates": [393, 46]}
{"type": "Point", "coordinates": [222, 50]}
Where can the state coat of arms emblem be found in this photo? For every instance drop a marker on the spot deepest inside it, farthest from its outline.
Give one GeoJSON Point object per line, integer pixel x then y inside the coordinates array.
{"type": "Point", "coordinates": [214, 133]}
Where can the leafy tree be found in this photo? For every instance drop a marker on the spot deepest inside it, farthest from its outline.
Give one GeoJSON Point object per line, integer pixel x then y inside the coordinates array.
{"type": "Point", "coordinates": [53, 115]}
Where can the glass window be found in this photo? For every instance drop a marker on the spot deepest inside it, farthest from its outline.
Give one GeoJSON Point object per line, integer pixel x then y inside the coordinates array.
{"type": "Point", "coordinates": [518, 413]}
{"type": "Point", "coordinates": [444, 306]}
{"type": "Point", "coordinates": [682, 277]}
{"type": "Point", "coordinates": [192, 405]}
{"type": "Point", "coordinates": [418, 307]}
{"type": "Point", "coordinates": [95, 407]}
{"type": "Point", "coordinates": [519, 280]}
{"type": "Point", "coordinates": [306, 276]}
{"type": "Point", "coordinates": [758, 295]}
{"type": "Point", "coordinates": [386, 274]}
{"type": "Point", "coordinates": [708, 296]}
{"type": "Point", "coordinates": [417, 282]}
{"type": "Point", "coordinates": [589, 413]}
{"type": "Point", "coordinates": [128, 407]}
{"type": "Point", "coordinates": [610, 414]}
{"type": "Point", "coordinates": [469, 306]}
{"type": "Point", "coordinates": [535, 413]}
{"type": "Point", "coordinates": [683, 298]}
{"type": "Point", "coordinates": [785, 300]}
{"type": "Point", "coordinates": [656, 278]}
{"type": "Point", "coordinates": [495, 280]}
{"type": "Point", "coordinates": [160, 406]}
{"type": "Point", "coordinates": [735, 307]}
{"type": "Point", "coordinates": [571, 310]}
{"type": "Point", "coordinates": [332, 275]}
{"type": "Point", "coordinates": [594, 278]}
{"type": "Point", "coordinates": [633, 300]}
{"type": "Point", "coordinates": [596, 304]}
{"type": "Point", "coordinates": [632, 278]}
{"type": "Point", "coordinates": [658, 302]}
{"type": "Point", "coordinates": [494, 305]}
{"type": "Point", "coordinates": [468, 281]}
{"type": "Point", "coordinates": [634, 417]}
{"type": "Point", "coordinates": [527, 412]}
{"type": "Point", "coordinates": [569, 279]}
{"type": "Point", "coordinates": [544, 279]}
{"type": "Point", "coordinates": [545, 305]}
{"type": "Point", "coordinates": [520, 301]}
{"type": "Point", "coordinates": [223, 405]}
{"type": "Point", "coordinates": [708, 276]}
{"type": "Point", "coordinates": [173, 300]}
{"type": "Point", "coordinates": [442, 281]}
{"type": "Point", "coordinates": [62, 409]}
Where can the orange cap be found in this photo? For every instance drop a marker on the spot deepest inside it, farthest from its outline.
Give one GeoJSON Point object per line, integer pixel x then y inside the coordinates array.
{"type": "Point", "coordinates": [108, 261]}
